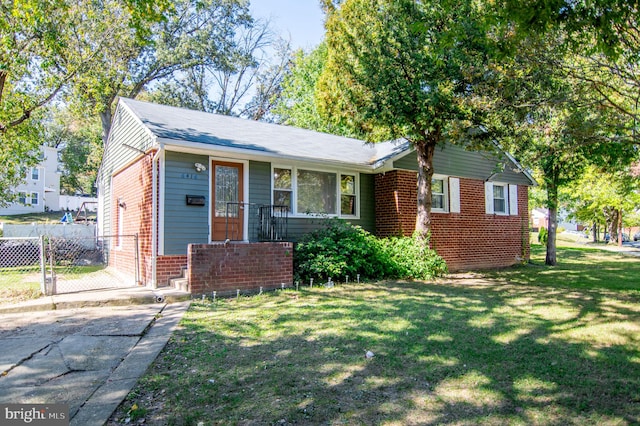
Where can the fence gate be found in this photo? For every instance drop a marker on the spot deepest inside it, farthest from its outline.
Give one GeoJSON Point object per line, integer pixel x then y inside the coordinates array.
{"type": "Point", "coordinates": [79, 264]}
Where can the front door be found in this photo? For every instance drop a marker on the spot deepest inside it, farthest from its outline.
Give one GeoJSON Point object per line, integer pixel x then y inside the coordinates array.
{"type": "Point", "coordinates": [228, 211]}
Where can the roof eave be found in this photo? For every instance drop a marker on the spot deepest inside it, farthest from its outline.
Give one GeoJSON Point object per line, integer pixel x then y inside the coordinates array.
{"type": "Point", "coordinates": [200, 148]}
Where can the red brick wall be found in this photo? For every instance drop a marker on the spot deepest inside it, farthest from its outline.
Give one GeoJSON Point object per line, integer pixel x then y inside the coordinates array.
{"type": "Point", "coordinates": [168, 267]}
{"type": "Point", "coordinates": [396, 203]}
{"type": "Point", "coordinates": [133, 187]}
{"type": "Point", "coordinates": [244, 266]}
{"type": "Point", "coordinates": [470, 239]}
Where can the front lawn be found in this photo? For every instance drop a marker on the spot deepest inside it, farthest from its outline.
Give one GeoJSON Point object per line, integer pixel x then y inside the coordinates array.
{"type": "Point", "coordinates": [528, 345]}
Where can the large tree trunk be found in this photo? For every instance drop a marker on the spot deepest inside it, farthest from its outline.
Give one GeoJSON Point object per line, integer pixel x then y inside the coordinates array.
{"type": "Point", "coordinates": [620, 228]}
{"type": "Point", "coordinates": [424, 150]}
{"type": "Point", "coordinates": [552, 203]}
{"type": "Point", "coordinates": [105, 118]}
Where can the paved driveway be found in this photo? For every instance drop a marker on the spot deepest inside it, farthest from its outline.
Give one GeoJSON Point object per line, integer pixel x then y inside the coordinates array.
{"type": "Point", "coordinates": [88, 358]}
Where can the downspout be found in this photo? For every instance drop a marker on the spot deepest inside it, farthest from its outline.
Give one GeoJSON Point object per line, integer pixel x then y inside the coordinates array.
{"type": "Point", "coordinates": [154, 217]}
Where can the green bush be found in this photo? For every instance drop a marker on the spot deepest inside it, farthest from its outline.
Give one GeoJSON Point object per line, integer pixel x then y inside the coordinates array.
{"type": "Point", "coordinates": [341, 249]}
{"type": "Point", "coordinates": [411, 258]}
{"type": "Point", "coordinates": [543, 236]}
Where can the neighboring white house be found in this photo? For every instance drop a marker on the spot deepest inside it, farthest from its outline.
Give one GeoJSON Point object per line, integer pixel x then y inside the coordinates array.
{"type": "Point", "coordinates": [41, 189]}
{"type": "Point", "coordinates": [540, 219]}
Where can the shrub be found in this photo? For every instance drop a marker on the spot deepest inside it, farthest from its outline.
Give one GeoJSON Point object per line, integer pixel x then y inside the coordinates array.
{"type": "Point", "coordinates": [341, 249]}
{"type": "Point", "coordinates": [411, 258]}
{"type": "Point", "coordinates": [543, 236]}
{"type": "Point", "coordinates": [335, 251]}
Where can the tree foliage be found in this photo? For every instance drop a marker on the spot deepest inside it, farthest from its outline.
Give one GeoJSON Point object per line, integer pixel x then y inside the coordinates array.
{"type": "Point", "coordinates": [406, 69]}
{"type": "Point", "coordinates": [79, 143]}
{"type": "Point", "coordinates": [192, 35]}
{"type": "Point", "coordinates": [600, 197]}
{"type": "Point", "coordinates": [559, 123]}
{"type": "Point", "coordinates": [45, 46]}
{"type": "Point", "coordinates": [297, 104]}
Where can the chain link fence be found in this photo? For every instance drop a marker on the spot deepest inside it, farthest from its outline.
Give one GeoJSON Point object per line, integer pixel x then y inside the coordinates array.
{"type": "Point", "coordinates": [65, 265]}
{"type": "Point", "coordinates": [21, 264]}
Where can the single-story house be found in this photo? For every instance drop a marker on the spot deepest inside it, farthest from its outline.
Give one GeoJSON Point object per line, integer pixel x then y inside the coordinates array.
{"type": "Point", "coordinates": [193, 185]}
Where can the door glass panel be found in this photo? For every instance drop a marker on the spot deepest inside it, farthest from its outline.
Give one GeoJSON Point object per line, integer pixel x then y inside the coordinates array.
{"type": "Point", "coordinates": [226, 191]}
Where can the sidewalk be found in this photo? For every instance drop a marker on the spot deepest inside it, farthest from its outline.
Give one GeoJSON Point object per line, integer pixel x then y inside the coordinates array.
{"type": "Point", "coordinates": [97, 298]}
{"type": "Point", "coordinates": [86, 350]}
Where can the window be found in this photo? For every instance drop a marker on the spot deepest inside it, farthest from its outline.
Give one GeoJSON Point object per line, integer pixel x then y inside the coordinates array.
{"type": "Point", "coordinates": [22, 198]}
{"type": "Point", "coordinates": [499, 199]}
{"type": "Point", "coordinates": [348, 195]}
{"type": "Point", "coordinates": [282, 187]}
{"type": "Point", "coordinates": [438, 195]}
{"type": "Point", "coordinates": [35, 173]}
{"type": "Point", "coordinates": [34, 198]}
{"type": "Point", "coordinates": [316, 192]}
{"type": "Point", "coordinates": [306, 191]}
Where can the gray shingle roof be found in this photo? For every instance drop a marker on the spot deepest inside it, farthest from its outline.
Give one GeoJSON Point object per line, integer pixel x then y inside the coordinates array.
{"type": "Point", "coordinates": [179, 125]}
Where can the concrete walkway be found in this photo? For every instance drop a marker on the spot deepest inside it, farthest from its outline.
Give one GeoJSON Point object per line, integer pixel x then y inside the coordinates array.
{"type": "Point", "coordinates": [86, 350]}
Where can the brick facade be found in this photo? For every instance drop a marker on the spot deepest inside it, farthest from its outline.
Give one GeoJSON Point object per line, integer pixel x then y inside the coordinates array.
{"type": "Point", "coordinates": [245, 266]}
{"type": "Point", "coordinates": [470, 239]}
{"type": "Point", "coordinates": [168, 267]}
{"type": "Point", "coordinates": [132, 199]}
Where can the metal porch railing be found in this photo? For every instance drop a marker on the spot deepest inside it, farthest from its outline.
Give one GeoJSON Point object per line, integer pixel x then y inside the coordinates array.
{"type": "Point", "coordinates": [266, 222]}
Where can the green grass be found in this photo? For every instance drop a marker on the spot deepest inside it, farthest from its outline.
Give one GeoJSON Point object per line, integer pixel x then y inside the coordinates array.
{"type": "Point", "coordinates": [23, 283]}
{"type": "Point", "coordinates": [19, 285]}
{"type": "Point", "coordinates": [579, 266]}
{"type": "Point", "coordinates": [528, 345]}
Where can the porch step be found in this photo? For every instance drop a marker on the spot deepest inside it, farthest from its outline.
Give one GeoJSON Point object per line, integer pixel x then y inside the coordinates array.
{"type": "Point", "coordinates": [180, 283]}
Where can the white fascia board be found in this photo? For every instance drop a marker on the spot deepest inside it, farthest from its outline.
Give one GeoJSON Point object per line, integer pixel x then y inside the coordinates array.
{"type": "Point", "coordinates": [238, 153]}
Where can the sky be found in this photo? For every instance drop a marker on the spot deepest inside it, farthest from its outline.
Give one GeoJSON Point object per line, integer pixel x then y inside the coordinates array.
{"type": "Point", "coordinates": [301, 21]}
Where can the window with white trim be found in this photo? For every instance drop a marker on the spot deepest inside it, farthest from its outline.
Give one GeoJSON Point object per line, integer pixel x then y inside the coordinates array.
{"type": "Point", "coordinates": [35, 173]}
{"type": "Point", "coordinates": [34, 199]}
{"type": "Point", "coordinates": [282, 189]}
{"type": "Point", "coordinates": [499, 199]}
{"type": "Point", "coordinates": [439, 195]}
{"type": "Point", "coordinates": [315, 192]}
{"type": "Point", "coordinates": [22, 198]}
{"type": "Point", "coordinates": [347, 195]}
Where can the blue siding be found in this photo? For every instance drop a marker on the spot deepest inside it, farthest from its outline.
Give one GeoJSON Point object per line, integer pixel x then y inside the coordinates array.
{"type": "Point", "coordinates": [260, 193]}
{"type": "Point", "coordinates": [184, 224]}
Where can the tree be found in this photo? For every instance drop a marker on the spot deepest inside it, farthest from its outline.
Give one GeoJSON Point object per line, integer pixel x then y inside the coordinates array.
{"type": "Point", "coordinates": [606, 25]}
{"type": "Point", "coordinates": [559, 123]}
{"type": "Point", "coordinates": [406, 69]}
{"type": "Point", "coordinates": [36, 66]}
{"type": "Point", "coordinates": [605, 197]}
{"type": "Point", "coordinates": [605, 33]}
{"type": "Point", "coordinates": [225, 88]}
{"type": "Point", "coordinates": [297, 104]}
{"type": "Point", "coordinates": [79, 143]}
{"type": "Point", "coordinates": [192, 35]}
{"type": "Point", "coordinates": [269, 85]}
